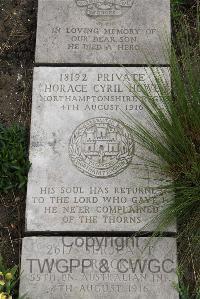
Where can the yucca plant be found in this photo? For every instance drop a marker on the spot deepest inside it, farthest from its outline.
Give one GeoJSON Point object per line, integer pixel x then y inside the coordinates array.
{"type": "Point", "coordinates": [174, 142]}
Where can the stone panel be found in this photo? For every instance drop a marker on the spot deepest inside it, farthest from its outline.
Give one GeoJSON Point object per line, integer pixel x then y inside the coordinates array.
{"type": "Point", "coordinates": [87, 170]}
{"type": "Point", "coordinates": [91, 31]}
{"type": "Point", "coordinates": [98, 268]}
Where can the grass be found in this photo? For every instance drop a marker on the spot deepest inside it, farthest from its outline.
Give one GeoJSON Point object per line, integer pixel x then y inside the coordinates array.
{"type": "Point", "coordinates": [8, 280]}
{"type": "Point", "coordinates": [176, 8]}
{"type": "Point", "coordinates": [174, 142]}
{"type": "Point", "coordinates": [14, 164]}
{"type": "Point", "coordinates": [184, 291]}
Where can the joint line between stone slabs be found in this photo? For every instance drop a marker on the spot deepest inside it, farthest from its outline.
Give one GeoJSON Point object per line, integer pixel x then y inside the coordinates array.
{"type": "Point", "coordinates": [36, 64]}
{"type": "Point", "coordinates": [100, 234]}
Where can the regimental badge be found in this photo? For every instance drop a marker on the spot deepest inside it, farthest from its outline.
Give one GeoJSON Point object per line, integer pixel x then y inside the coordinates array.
{"type": "Point", "coordinates": [105, 7]}
{"type": "Point", "coordinates": [101, 147]}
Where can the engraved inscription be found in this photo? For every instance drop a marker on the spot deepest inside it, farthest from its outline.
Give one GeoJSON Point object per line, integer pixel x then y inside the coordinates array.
{"type": "Point", "coordinates": [105, 7]}
{"type": "Point", "coordinates": [98, 268]}
{"type": "Point", "coordinates": [101, 147]}
{"type": "Point", "coordinates": [87, 171]}
{"type": "Point", "coordinates": [102, 31]}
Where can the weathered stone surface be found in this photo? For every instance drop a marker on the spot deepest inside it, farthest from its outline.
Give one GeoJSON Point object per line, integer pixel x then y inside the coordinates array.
{"type": "Point", "coordinates": [116, 32]}
{"type": "Point", "coordinates": [86, 170]}
{"type": "Point", "coordinates": [98, 267]}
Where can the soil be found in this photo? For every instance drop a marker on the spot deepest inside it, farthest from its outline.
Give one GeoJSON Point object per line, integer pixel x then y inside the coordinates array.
{"type": "Point", "coordinates": [17, 46]}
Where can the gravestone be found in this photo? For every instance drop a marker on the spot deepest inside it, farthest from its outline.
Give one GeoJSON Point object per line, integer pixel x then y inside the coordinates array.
{"type": "Point", "coordinates": [98, 268]}
{"type": "Point", "coordinates": [87, 173]}
{"type": "Point", "coordinates": [102, 32]}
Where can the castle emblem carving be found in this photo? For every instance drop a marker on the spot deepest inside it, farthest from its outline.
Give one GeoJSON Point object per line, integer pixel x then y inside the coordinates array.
{"type": "Point", "coordinates": [101, 147]}
{"type": "Point", "coordinates": [105, 7]}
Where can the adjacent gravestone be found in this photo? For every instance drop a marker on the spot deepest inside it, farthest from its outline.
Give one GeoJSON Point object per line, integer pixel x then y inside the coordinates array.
{"type": "Point", "coordinates": [98, 267]}
{"type": "Point", "coordinates": [102, 32]}
{"type": "Point", "coordinates": [87, 174]}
